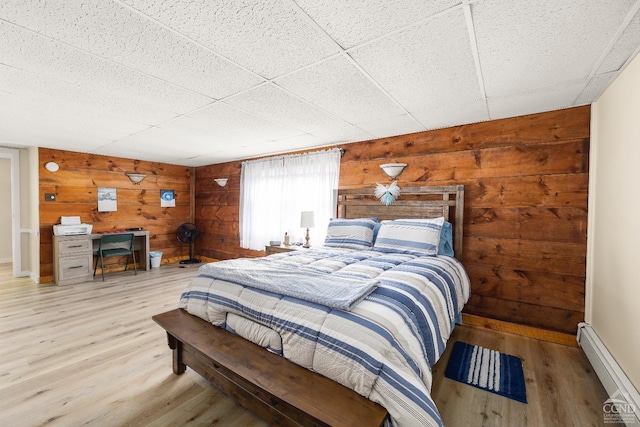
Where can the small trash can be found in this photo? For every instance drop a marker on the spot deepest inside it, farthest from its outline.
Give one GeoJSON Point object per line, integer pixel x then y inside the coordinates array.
{"type": "Point", "coordinates": [156, 258]}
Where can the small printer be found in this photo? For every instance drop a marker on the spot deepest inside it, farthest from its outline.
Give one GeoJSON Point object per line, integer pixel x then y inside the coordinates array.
{"type": "Point", "coordinates": [71, 226]}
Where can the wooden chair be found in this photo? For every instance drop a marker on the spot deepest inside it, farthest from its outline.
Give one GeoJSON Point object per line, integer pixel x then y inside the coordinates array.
{"type": "Point", "coordinates": [115, 245]}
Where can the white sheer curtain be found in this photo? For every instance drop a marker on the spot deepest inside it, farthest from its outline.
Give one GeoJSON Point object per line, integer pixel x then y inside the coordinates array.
{"type": "Point", "coordinates": [274, 191]}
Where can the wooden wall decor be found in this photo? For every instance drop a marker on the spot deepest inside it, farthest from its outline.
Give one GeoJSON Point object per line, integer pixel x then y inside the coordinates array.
{"type": "Point", "coordinates": [526, 188]}
{"type": "Point", "coordinates": [75, 186]}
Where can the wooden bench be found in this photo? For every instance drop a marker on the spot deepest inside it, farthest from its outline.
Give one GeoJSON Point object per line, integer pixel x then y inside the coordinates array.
{"type": "Point", "coordinates": [276, 390]}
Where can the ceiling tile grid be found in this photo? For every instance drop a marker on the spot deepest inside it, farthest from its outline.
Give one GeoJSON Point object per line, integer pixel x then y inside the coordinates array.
{"type": "Point", "coordinates": [550, 98]}
{"type": "Point", "coordinates": [390, 126]}
{"type": "Point", "coordinates": [337, 86]}
{"type": "Point", "coordinates": [595, 87]}
{"type": "Point", "coordinates": [451, 114]}
{"type": "Point", "coordinates": [231, 79]}
{"type": "Point", "coordinates": [268, 37]}
{"type": "Point", "coordinates": [273, 103]}
{"type": "Point", "coordinates": [56, 61]}
{"type": "Point", "coordinates": [629, 41]}
{"type": "Point", "coordinates": [109, 30]}
{"type": "Point", "coordinates": [425, 65]}
{"type": "Point", "coordinates": [37, 96]}
{"type": "Point", "coordinates": [351, 23]}
{"type": "Point", "coordinates": [528, 45]}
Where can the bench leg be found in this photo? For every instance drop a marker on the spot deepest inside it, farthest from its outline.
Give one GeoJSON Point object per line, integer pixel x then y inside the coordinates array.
{"type": "Point", "coordinates": [176, 346]}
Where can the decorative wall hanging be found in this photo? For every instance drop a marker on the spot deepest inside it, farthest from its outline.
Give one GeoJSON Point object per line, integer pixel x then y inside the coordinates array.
{"type": "Point", "coordinates": [387, 193]}
{"type": "Point", "coordinates": [167, 199]}
{"type": "Point", "coordinates": [107, 199]}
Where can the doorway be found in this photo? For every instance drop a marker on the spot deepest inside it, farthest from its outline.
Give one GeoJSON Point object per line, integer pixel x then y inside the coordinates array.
{"type": "Point", "coordinates": [12, 181]}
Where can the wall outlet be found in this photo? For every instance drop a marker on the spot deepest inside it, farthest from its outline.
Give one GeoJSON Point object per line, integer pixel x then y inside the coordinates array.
{"type": "Point", "coordinates": [49, 197]}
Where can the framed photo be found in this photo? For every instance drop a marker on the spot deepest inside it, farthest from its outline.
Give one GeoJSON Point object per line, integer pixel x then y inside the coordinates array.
{"type": "Point", "coordinates": [107, 199]}
{"type": "Point", "coordinates": [167, 199]}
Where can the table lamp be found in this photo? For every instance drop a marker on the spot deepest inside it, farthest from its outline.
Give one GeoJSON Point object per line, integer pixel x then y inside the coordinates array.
{"type": "Point", "coordinates": [307, 221]}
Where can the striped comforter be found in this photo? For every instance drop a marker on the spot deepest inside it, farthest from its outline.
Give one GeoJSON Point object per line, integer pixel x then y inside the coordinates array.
{"type": "Point", "coordinates": [383, 348]}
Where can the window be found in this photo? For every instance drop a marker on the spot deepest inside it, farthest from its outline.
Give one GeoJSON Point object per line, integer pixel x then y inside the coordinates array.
{"type": "Point", "coordinates": [274, 191]}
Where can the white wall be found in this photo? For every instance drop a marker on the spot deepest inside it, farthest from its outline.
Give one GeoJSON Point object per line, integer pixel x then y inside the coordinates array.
{"type": "Point", "coordinates": [5, 212]}
{"type": "Point", "coordinates": [613, 247]}
{"type": "Point", "coordinates": [31, 209]}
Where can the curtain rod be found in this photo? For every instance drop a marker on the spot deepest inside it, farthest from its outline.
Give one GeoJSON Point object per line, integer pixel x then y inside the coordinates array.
{"type": "Point", "coordinates": [286, 156]}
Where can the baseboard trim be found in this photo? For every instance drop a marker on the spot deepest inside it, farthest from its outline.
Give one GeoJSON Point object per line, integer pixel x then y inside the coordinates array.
{"type": "Point", "coordinates": [620, 389]}
{"type": "Point", "coordinates": [514, 328]}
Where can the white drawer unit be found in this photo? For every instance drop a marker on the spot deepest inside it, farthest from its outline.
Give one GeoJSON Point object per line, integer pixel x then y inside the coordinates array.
{"type": "Point", "coordinates": [72, 259]}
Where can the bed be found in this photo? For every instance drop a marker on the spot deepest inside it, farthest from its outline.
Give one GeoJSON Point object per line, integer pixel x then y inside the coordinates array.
{"type": "Point", "coordinates": [372, 319]}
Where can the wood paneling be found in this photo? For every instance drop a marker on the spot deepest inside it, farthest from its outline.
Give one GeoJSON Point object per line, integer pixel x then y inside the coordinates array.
{"type": "Point", "coordinates": [526, 190]}
{"type": "Point", "coordinates": [76, 183]}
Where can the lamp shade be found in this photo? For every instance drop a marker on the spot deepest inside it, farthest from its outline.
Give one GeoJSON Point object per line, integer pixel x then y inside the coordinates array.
{"type": "Point", "coordinates": [393, 169]}
{"type": "Point", "coordinates": [307, 219]}
{"type": "Point", "coordinates": [136, 178]}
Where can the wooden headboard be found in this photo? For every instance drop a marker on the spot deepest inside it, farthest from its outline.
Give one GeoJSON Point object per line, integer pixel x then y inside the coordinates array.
{"type": "Point", "coordinates": [414, 202]}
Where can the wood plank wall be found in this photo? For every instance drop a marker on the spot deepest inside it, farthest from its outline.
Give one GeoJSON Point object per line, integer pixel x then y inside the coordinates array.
{"type": "Point", "coordinates": [526, 184]}
{"type": "Point", "coordinates": [76, 183]}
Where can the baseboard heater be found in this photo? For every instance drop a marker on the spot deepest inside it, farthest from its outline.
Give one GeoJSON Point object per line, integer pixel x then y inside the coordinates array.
{"type": "Point", "coordinates": [614, 380]}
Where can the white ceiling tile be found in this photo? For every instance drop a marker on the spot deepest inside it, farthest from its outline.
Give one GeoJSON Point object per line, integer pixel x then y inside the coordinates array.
{"type": "Point", "coordinates": [62, 99]}
{"type": "Point", "coordinates": [107, 29]}
{"type": "Point", "coordinates": [391, 126]}
{"type": "Point", "coordinates": [83, 111]}
{"type": "Point", "coordinates": [184, 81]}
{"type": "Point", "coordinates": [269, 37]}
{"type": "Point", "coordinates": [629, 41]}
{"type": "Point", "coordinates": [24, 126]}
{"type": "Point", "coordinates": [208, 131]}
{"type": "Point", "coordinates": [595, 88]}
{"type": "Point", "coordinates": [191, 141]}
{"type": "Point", "coordinates": [273, 103]}
{"type": "Point", "coordinates": [353, 22]}
{"type": "Point", "coordinates": [148, 152]}
{"type": "Point", "coordinates": [338, 87]}
{"type": "Point", "coordinates": [282, 146]}
{"type": "Point", "coordinates": [273, 147]}
{"type": "Point", "coordinates": [52, 60]}
{"type": "Point", "coordinates": [539, 100]}
{"type": "Point", "coordinates": [450, 114]}
{"type": "Point", "coordinates": [295, 143]}
{"type": "Point", "coordinates": [232, 120]}
{"type": "Point", "coordinates": [75, 130]}
{"type": "Point", "coordinates": [342, 135]}
{"type": "Point", "coordinates": [425, 66]}
{"type": "Point", "coordinates": [197, 161]}
{"type": "Point", "coordinates": [534, 44]}
{"type": "Point", "coordinates": [205, 129]}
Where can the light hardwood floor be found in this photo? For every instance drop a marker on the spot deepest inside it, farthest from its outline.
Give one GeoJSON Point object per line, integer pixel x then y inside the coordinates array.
{"type": "Point", "coordinates": [89, 354]}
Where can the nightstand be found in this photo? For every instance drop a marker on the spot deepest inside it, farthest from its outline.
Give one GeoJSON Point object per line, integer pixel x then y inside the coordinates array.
{"type": "Point", "coordinates": [270, 250]}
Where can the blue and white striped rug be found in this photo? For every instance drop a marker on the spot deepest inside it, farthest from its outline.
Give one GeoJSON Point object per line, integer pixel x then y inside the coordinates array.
{"type": "Point", "coordinates": [488, 370]}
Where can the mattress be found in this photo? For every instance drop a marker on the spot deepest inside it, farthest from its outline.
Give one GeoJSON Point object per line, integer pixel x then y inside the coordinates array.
{"type": "Point", "coordinates": [383, 347]}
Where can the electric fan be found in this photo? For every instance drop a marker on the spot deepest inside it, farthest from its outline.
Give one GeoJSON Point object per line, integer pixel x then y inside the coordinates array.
{"type": "Point", "coordinates": [188, 233]}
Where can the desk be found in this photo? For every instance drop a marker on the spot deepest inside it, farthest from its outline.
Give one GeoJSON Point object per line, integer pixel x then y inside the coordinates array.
{"type": "Point", "coordinates": [140, 244]}
{"type": "Point", "coordinates": [73, 256]}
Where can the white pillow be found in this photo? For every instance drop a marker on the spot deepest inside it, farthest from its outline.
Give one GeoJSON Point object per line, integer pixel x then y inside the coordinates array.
{"type": "Point", "coordinates": [351, 233]}
{"type": "Point", "coordinates": [416, 237]}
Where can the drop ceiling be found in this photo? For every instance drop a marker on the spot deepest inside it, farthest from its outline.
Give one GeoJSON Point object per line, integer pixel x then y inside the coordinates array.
{"type": "Point", "coordinates": [198, 82]}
